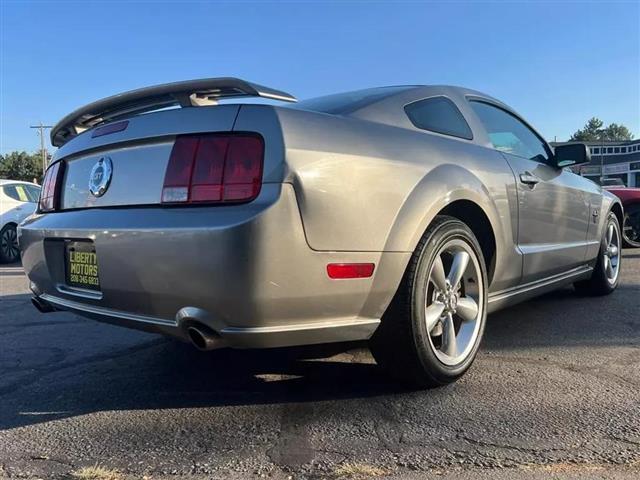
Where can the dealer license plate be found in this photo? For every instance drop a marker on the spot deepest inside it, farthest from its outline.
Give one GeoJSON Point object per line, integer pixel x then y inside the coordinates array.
{"type": "Point", "coordinates": [82, 265]}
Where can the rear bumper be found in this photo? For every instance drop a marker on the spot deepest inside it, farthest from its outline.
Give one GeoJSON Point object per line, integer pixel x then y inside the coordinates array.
{"type": "Point", "coordinates": [245, 271]}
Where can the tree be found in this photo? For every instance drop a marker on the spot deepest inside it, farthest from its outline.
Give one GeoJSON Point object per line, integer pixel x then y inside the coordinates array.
{"type": "Point", "coordinates": [21, 166]}
{"type": "Point", "coordinates": [618, 132]}
{"type": "Point", "coordinates": [594, 131]}
{"type": "Point", "coordinates": [591, 131]}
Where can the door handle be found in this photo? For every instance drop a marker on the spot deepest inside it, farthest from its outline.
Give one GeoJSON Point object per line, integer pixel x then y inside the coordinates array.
{"type": "Point", "coordinates": [529, 178]}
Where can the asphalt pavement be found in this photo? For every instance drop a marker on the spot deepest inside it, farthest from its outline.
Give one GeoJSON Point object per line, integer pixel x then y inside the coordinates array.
{"type": "Point", "coordinates": [554, 393]}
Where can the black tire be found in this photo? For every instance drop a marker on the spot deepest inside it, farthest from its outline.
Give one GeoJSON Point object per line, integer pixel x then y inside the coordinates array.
{"type": "Point", "coordinates": [401, 344]}
{"type": "Point", "coordinates": [9, 251]}
{"type": "Point", "coordinates": [631, 227]}
{"type": "Point", "coordinates": [600, 284]}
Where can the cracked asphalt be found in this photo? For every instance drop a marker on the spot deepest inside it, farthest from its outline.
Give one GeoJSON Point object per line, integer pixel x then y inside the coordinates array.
{"type": "Point", "coordinates": [554, 393]}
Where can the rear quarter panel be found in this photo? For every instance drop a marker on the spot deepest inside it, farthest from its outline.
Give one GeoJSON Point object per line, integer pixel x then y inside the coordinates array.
{"type": "Point", "coordinates": [364, 186]}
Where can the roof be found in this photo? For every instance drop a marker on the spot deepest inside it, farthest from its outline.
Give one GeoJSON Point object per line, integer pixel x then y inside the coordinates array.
{"type": "Point", "coordinates": [5, 181]}
{"type": "Point", "coordinates": [356, 99]}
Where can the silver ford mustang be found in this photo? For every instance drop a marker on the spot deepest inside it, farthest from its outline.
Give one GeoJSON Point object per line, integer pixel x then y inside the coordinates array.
{"type": "Point", "coordinates": [399, 215]}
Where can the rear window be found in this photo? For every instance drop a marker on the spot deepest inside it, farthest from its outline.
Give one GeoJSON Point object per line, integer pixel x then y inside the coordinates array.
{"type": "Point", "coordinates": [22, 193]}
{"type": "Point", "coordinates": [440, 115]}
{"type": "Point", "coordinates": [342, 103]}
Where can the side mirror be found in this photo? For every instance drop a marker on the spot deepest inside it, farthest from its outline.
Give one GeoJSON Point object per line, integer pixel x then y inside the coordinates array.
{"type": "Point", "coordinates": [571, 154]}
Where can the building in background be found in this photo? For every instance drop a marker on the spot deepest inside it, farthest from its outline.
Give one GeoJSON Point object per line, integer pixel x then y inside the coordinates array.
{"type": "Point", "coordinates": [618, 160]}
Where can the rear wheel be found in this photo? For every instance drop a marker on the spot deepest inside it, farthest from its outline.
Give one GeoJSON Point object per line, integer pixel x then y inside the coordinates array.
{"type": "Point", "coordinates": [631, 227]}
{"type": "Point", "coordinates": [9, 251]}
{"type": "Point", "coordinates": [430, 334]}
{"type": "Point", "coordinates": [606, 274]}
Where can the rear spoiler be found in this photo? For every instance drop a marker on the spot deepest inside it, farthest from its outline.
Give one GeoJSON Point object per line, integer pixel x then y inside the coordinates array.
{"type": "Point", "coordinates": [190, 93]}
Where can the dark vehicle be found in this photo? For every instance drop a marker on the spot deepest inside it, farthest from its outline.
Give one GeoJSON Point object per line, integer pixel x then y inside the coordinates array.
{"type": "Point", "coordinates": [631, 224]}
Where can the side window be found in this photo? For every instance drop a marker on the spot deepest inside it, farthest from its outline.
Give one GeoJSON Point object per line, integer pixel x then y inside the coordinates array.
{"type": "Point", "coordinates": [508, 134]}
{"type": "Point", "coordinates": [34, 193]}
{"type": "Point", "coordinates": [438, 114]}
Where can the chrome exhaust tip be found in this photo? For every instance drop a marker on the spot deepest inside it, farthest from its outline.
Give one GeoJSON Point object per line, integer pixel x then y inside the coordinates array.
{"type": "Point", "coordinates": [203, 338]}
{"type": "Point", "coordinates": [42, 306]}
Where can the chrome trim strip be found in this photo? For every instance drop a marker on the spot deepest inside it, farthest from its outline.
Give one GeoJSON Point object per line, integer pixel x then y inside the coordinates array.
{"type": "Point", "coordinates": [298, 327]}
{"type": "Point", "coordinates": [79, 292]}
{"type": "Point", "coordinates": [527, 287]}
{"type": "Point", "coordinates": [106, 312]}
{"type": "Point", "coordinates": [546, 247]}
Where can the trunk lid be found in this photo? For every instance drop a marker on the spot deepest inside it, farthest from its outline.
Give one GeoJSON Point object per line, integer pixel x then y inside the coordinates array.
{"type": "Point", "coordinates": [138, 156]}
{"type": "Point", "coordinates": [125, 141]}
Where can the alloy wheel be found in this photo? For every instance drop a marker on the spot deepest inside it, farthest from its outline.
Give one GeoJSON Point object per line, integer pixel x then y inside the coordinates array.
{"type": "Point", "coordinates": [9, 244]}
{"type": "Point", "coordinates": [611, 253]}
{"type": "Point", "coordinates": [453, 309]}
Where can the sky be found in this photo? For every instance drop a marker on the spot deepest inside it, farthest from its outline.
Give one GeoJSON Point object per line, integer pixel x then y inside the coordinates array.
{"type": "Point", "coordinates": [557, 63]}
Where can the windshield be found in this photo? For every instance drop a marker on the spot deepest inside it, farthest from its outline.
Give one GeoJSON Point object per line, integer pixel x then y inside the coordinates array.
{"type": "Point", "coordinates": [341, 103]}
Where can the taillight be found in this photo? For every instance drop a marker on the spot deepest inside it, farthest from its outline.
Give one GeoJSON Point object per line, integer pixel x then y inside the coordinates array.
{"type": "Point", "coordinates": [214, 168]}
{"type": "Point", "coordinates": [49, 192]}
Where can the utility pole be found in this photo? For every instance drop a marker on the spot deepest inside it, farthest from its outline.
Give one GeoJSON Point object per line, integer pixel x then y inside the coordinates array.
{"type": "Point", "coordinates": [601, 156]}
{"type": "Point", "coordinates": [43, 152]}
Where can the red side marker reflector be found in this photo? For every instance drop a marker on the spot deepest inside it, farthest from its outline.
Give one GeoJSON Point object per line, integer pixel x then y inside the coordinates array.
{"type": "Point", "coordinates": [350, 270]}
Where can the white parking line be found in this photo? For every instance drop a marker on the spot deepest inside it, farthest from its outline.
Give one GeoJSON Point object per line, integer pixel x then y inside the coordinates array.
{"type": "Point", "coordinates": [10, 269]}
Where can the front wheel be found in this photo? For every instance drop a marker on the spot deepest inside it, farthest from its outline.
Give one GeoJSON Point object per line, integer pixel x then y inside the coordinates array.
{"type": "Point", "coordinates": [431, 332]}
{"type": "Point", "coordinates": [606, 273]}
{"type": "Point", "coordinates": [9, 251]}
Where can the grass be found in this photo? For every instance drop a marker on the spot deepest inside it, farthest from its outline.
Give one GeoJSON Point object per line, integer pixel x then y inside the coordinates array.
{"type": "Point", "coordinates": [358, 470]}
{"type": "Point", "coordinates": [96, 473]}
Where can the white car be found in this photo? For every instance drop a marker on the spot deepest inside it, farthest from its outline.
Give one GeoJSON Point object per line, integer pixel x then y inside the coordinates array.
{"type": "Point", "coordinates": [18, 200]}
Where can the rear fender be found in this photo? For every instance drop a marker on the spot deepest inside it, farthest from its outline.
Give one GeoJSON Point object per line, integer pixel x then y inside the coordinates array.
{"type": "Point", "coordinates": [447, 184]}
{"type": "Point", "coordinates": [443, 185]}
